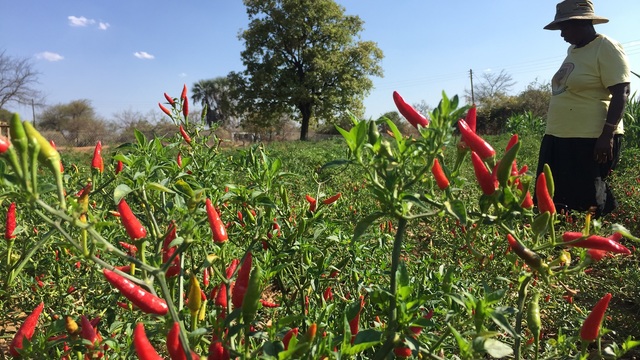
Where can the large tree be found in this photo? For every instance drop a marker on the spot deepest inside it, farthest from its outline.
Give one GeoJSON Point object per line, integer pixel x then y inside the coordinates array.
{"type": "Point", "coordinates": [491, 85]}
{"type": "Point", "coordinates": [17, 81]}
{"type": "Point", "coordinates": [305, 56]}
{"type": "Point", "coordinates": [214, 95]}
{"type": "Point", "coordinates": [76, 121]}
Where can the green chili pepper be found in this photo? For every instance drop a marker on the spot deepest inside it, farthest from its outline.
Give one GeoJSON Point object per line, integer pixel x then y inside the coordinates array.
{"type": "Point", "coordinates": [533, 318]}
{"type": "Point", "coordinates": [18, 136]}
{"type": "Point", "coordinates": [505, 164]}
{"type": "Point", "coordinates": [48, 155]}
{"type": "Point", "coordinates": [549, 177]}
{"type": "Point", "coordinates": [252, 296]}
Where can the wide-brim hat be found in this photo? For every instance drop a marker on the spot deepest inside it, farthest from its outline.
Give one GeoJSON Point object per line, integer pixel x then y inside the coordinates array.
{"type": "Point", "coordinates": [575, 10]}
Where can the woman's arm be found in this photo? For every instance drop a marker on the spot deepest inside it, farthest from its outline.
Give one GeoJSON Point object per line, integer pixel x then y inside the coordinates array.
{"type": "Point", "coordinates": [603, 150]}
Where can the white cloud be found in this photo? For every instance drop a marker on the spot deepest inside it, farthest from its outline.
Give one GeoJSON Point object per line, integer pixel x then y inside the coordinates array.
{"type": "Point", "coordinates": [80, 21]}
{"type": "Point", "coordinates": [49, 56]}
{"type": "Point", "coordinates": [182, 75]}
{"type": "Point", "coordinates": [143, 55]}
{"type": "Point", "coordinates": [103, 25]}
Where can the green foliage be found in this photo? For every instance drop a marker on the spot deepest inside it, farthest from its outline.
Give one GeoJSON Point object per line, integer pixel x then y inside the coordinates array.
{"type": "Point", "coordinates": [304, 56]}
{"type": "Point", "coordinates": [525, 124]}
{"type": "Point", "coordinates": [407, 265]}
{"type": "Point", "coordinates": [497, 112]}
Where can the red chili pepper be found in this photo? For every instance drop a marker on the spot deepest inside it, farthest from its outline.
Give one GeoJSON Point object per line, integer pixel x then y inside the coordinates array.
{"type": "Point", "coordinates": [5, 144]}
{"type": "Point", "coordinates": [488, 183]}
{"type": "Point", "coordinates": [183, 95]}
{"type": "Point", "coordinates": [26, 330]}
{"type": "Point", "coordinates": [312, 203]}
{"type": "Point", "coordinates": [132, 250]}
{"type": "Point", "coordinates": [119, 167]}
{"type": "Point", "coordinates": [167, 252]}
{"type": "Point", "coordinates": [10, 222]}
{"type": "Point", "coordinates": [327, 295]}
{"type": "Point", "coordinates": [132, 225]}
{"type": "Point", "coordinates": [530, 258]}
{"type": "Point", "coordinates": [217, 351]}
{"type": "Point", "coordinates": [165, 110]}
{"type": "Point", "coordinates": [409, 112]}
{"type": "Point", "coordinates": [594, 242]}
{"type": "Point", "coordinates": [354, 323]}
{"type": "Point", "coordinates": [219, 293]}
{"type": "Point", "coordinates": [288, 336]}
{"type": "Point", "coordinates": [205, 277]}
{"type": "Point", "coordinates": [332, 199]}
{"type": "Point", "coordinates": [471, 117]}
{"type": "Point", "coordinates": [174, 346]}
{"type": "Point", "coordinates": [185, 136]}
{"type": "Point", "coordinates": [402, 352]}
{"type": "Point", "coordinates": [179, 160]}
{"type": "Point", "coordinates": [268, 304]}
{"type": "Point", "coordinates": [170, 100]}
{"type": "Point", "coordinates": [97, 162]}
{"type": "Point", "coordinates": [185, 107]}
{"type": "Point", "coordinates": [141, 343]}
{"type": "Point", "coordinates": [53, 144]}
{"type": "Point", "coordinates": [545, 202]}
{"type": "Point", "coordinates": [591, 326]}
{"type": "Point", "coordinates": [527, 202]}
{"type": "Point", "coordinates": [88, 332]}
{"type": "Point", "coordinates": [439, 175]}
{"type": "Point", "coordinates": [242, 282]}
{"type": "Point", "coordinates": [512, 141]}
{"type": "Point", "coordinates": [146, 301]}
{"type": "Point", "coordinates": [124, 268]}
{"type": "Point", "coordinates": [218, 230]}
{"type": "Point", "coordinates": [596, 255]}
{"type": "Point", "coordinates": [475, 142]}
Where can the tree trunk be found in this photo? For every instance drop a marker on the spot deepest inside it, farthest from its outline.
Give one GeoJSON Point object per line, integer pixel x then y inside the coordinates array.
{"type": "Point", "coordinates": [305, 110]}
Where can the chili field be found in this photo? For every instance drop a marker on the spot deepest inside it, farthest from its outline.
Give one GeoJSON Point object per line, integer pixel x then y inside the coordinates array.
{"type": "Point", "coordinates": [353, 248]}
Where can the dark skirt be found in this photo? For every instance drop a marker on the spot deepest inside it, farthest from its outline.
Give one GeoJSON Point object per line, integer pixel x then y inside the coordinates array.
{"type": "Point", "coordinates": [580, 182]}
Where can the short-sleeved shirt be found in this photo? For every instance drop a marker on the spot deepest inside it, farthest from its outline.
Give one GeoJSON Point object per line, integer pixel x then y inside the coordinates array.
{"type": "Point", "coordinates": [580, 95]}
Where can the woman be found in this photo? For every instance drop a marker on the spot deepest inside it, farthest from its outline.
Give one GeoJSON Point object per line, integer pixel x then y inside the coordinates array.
{"type": "Point", "coordinates": [584, 128]}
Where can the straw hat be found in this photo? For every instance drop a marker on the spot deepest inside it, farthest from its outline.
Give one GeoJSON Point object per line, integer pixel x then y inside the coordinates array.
{"type": "Point", "coordinates": [574, 9]}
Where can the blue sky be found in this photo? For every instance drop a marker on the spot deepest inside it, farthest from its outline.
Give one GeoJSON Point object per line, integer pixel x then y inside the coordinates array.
{"type": "Point", "coordinates": [122, 55]}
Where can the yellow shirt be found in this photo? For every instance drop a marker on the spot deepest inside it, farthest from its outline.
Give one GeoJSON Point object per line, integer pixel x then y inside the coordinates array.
{"type": "Point", "coordinates": [580, 95]}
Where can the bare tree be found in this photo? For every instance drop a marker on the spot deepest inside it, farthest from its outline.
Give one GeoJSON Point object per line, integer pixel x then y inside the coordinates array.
{"type": "Point", "coordinates": [17, 81]}
{"type": "Point", "coordinates": [491, 85]}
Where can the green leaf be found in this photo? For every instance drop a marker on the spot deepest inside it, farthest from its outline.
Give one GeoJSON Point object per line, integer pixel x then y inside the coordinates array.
{"type": "Point", "coordinates": [335, 163]}
{"type": "Point", "coordinates": [121, 191]}
{"type": "Point", "coordinates": [364, 340]}
{"type": "Point", "coordinates": [362, 226]}
{"type": "Point", "coordinates": [495, 296]}
{"type": "Point", "coordinates": [349, 137]}
{"type": "Point", "coordinates": [497, 315]}
{"type": "Point", "coordinates": [622, 230]}
{"type": "Point", "coordinates": [142, 140]}
{"type": "Point", "coordinates": [462, 343]}
{"type": "Point", "coordinates": [457, 209]}
{"type": "Point", "coordinates": [541, 223]}
{"type": "Point", "coordinates": [497, 349]}
{"type": "Point", "coordinates": [159, 187]}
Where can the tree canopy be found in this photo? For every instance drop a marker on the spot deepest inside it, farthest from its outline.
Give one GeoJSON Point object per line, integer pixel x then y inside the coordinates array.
{"type": "Point", "coordinates": [214, 95]}
{"type": "Point", "coordinates": [76, 121]}
{"type": "Point", "coordinates": [17, 80]}
{"type": "Point", "coordinates": [304, 57]}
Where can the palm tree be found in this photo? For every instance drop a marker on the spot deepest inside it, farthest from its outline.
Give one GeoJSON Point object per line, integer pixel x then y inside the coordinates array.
{"type": "Point", "coordinates": [213, 94]}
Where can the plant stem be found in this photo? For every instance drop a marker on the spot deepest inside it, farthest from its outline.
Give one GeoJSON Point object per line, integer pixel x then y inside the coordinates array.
{"type": "Point", "coordinates": [166, 294]}
{"type": "Point", "coordinates": [522, 295]}
{"type": "Point", "coordinates": [393, 312]}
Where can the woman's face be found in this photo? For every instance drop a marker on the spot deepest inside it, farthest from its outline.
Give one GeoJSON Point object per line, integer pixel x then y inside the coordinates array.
{"type": "Point", "coordinates": [574, 31]}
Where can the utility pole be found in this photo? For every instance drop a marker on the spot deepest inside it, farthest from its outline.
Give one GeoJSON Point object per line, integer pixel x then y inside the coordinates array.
{"type": "Point", "coordinates": [473, 101]}
{"type": "Point", "coordinates": [33, 111]}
